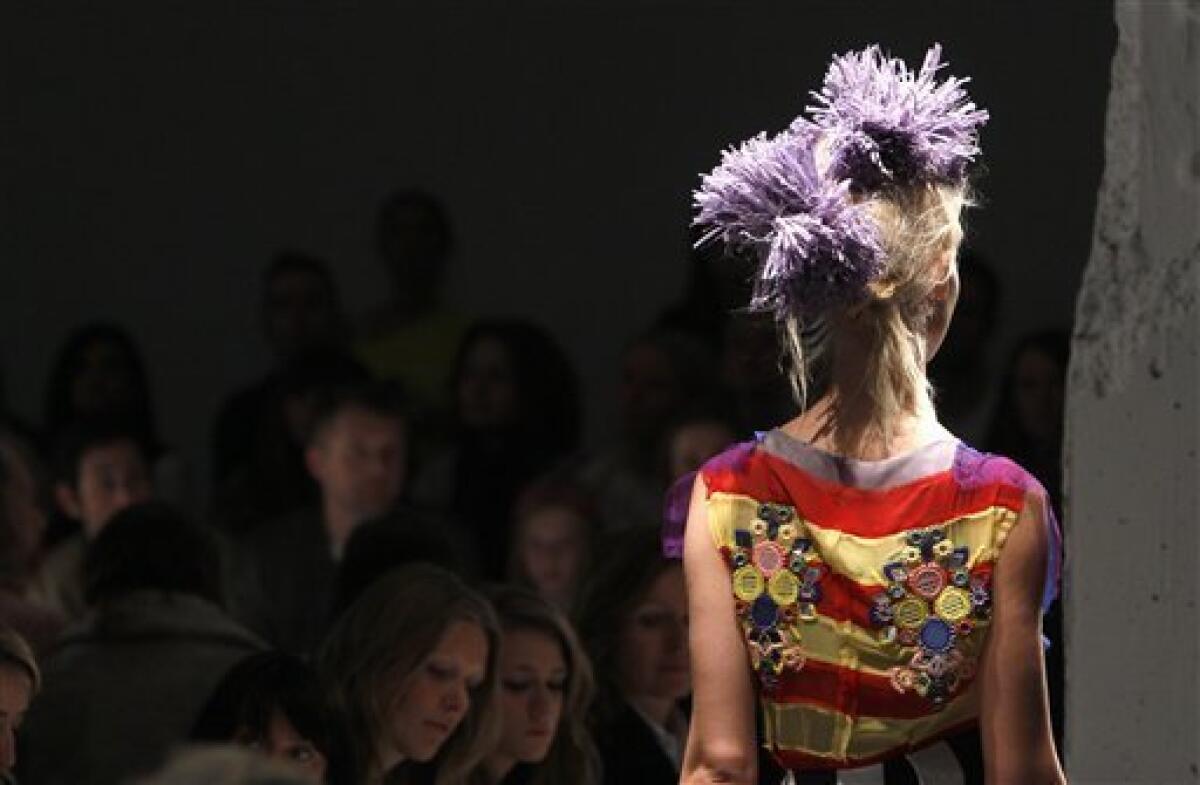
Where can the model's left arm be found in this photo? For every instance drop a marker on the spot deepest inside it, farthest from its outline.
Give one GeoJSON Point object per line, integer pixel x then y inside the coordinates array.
{"type": "Point", "coordinates": [1015, 717]}
{"type": "Point", "coordinates": [721, 745]}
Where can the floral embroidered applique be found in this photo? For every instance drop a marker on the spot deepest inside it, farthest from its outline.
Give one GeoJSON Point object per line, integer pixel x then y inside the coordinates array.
{"type": "Point", "coordinates": [933, 603]}
{"type": "Point", "coordinates": [776, 585]}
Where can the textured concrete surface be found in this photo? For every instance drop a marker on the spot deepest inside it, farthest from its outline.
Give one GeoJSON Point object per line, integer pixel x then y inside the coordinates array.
{"type": "Point", "coordinates": [1133, 646]}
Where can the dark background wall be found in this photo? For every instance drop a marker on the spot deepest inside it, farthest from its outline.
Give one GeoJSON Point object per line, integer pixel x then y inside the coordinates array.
{"type": "Point", "coordinates": [153, 155]}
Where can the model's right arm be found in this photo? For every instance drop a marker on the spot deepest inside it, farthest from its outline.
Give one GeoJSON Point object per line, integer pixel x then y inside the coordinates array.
{"type": "Point", "coordinates": [721, 745]}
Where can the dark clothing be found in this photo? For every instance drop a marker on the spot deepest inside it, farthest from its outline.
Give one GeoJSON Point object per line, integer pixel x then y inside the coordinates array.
{"type": "Point", "coordinates": [631, 753]}
{"type": "Point", "coordinates": [125, 685]}
{"type": "Point", "coordinates": [289, 573]}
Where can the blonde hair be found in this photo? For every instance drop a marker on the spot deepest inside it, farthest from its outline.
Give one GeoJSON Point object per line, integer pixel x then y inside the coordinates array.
{"type": "Point", "coordinates": [15, 652]}
{"type": "Point", "coordinates": [383, 638]}
{"type": "Point", "coordinates": [916, 226]}
{"type": "Point", "coordinates": [572, 757]}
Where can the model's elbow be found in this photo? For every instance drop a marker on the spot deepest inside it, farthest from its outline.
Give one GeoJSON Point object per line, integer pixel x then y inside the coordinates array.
{"type": "Point", "coordinates": [1049, 773]}
{"type": "Point", "coordinates": [733, 765]}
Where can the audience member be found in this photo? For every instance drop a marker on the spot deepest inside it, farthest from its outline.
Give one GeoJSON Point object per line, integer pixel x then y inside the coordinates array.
{"type": "Point", "coordinates": [1028, 422]}
{"type": "Point", "coordinates": [103, 467]}
{"type": "Point", "coordinates": [694, 439]}
{"type": "Point", "coordinates": [20, 680]}
{"type": "Point", "coordinates": [517, 413]}
{"type": "Point", "coordinates": [663, 373]}
{"type": "Point", "coordinates": [22, 524]}
{"type": "Point", "coordinates": [412, 667]}
{"type": "Point", "coordinates": [99, 374]}
{"type": "Point", "coordinates": [412, 338]}
{"type": "Point", "coordinates": [300, 313]}
{"type": "Point", "coordinates": [127, 683]}
{"type": "Point", "coordinates": [961, 370]}
{"type": "Point", "coordinates": [633, 621]}
{"type": "Point", "coordinates": [275, 703]}
{"type": "Point", "coordinates": [357, 453]}
{"type": "Point", "coordinates": [274, 479]}
{"type": "Point", "coordinates": [545, 691]}
{"type": "Point", "coordinates": [224, 765]}
{"type": "Point", "coordinates": [552, 543]}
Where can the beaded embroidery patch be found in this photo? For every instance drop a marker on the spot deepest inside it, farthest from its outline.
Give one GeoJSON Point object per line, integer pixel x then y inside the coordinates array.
{"type": "Point", "coordinates": [776, 586]}
{"type": "Point", "coordinates": [933, 603]}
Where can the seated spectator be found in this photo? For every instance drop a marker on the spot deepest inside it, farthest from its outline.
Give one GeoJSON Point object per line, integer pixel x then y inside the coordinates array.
{"type": "Point", "coordinates": [99, 374]}
{"type": "Point", "coordinates": [694, 439]}
{"type": "Point", "coordinates": [412, 667]}
{"type": "Point", "coordinates": [224, 765]}
{"type": "Point", "coordinates": [545, 692]}
{"type": "Point", "coordinates": [273, 479]}
{"type": "Point", "coordinates": [357, 453]}
{"type": "Point", "coordinates": [300, 312]}
{"type": "Point", "coordinates": [412, 337]}
{"type": "Point", "coordinates": [552, 540]}
{"type": "Point", "coordinates": [127, 683]}
{"type": "Point", "coordinates": [633, 622]}
{"type": "Point", "coordinates": [22, 524]}
{"type": "Point", "coordinates": [103, 467]}
{"type": "Point", "coordinates": [663, 373]}
{"type": "Point", "coordinates": [517, 414]}
{"type": "Point", "coordinates": [274, 703]}
{"type": "Point", "coordinates": [20, 681]}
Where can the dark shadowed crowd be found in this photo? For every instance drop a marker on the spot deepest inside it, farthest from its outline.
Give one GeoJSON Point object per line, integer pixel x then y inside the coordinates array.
{"type": "Point", "coordinates": [409, 566]}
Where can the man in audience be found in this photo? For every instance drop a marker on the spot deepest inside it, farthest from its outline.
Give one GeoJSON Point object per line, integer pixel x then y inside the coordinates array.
{"type": "Point", "coordinates": [124, 686]}
{"type": "Point", "coordinates": [102, 468]}
{"type": "Point", "coordinates": [357, 453]}
{"type": "Point", "coordinates": [301, 313]}
{"type": "Point", "coordinates": [413, 336]}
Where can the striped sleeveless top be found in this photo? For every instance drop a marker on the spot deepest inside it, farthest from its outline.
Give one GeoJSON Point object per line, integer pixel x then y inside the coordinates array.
{"type": "Point", "coordinates": [863, 589]}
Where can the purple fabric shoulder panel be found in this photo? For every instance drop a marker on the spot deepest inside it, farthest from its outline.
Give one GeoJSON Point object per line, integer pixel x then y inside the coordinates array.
{"type": "Point", "coordinates": [973, 468]}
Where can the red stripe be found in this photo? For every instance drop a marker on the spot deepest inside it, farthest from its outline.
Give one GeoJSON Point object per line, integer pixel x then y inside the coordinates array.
{"type": "Point", "coordinates": [862, 512]}
{"type": "Point", "coordinates": [850, 692]}
{"type": "Point", "coordinates": [800, 761]}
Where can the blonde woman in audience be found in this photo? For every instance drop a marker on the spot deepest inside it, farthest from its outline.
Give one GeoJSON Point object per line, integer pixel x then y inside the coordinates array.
{"type": "Point", "coordinates": [545, 691]}
{"type": "Point", "coordinates": [412, 665]}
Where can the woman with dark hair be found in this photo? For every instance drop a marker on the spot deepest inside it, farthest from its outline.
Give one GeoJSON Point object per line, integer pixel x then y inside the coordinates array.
{"type": "Point", "coordinates": [545, 690]}
{"type": "Point", "coordinates": [632, 618]}
{"type": "Point", "coordinates": [99, 374]}
{"type": "Point", "coordinates": [517, 413]}
{"type": "Point", "coordinates": [1028, 423]}
{"type": "Point", "coordinates": [274, 702]}
{"type": "Point", "coordinates": [99, 371]}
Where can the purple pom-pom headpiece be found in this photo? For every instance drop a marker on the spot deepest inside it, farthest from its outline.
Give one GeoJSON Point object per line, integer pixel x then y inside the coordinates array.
{"type": "Point", "coordinates": [790, 198]}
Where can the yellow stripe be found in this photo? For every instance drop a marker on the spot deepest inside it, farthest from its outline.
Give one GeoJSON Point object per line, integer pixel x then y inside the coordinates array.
{"type": "Point", "coordinates": [831, 734]}
{"type": "Point", "coordinates": [862, 558]}
{"type": "Point", "coordinates": [850, 646]}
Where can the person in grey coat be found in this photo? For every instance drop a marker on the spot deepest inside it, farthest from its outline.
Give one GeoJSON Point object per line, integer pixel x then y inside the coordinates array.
{"type": "Point", "coordinates": [126, 683]}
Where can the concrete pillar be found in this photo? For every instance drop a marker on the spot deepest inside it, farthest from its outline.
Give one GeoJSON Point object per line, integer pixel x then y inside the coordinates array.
{"type": "Point", "coordinates": [1132, 484]}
